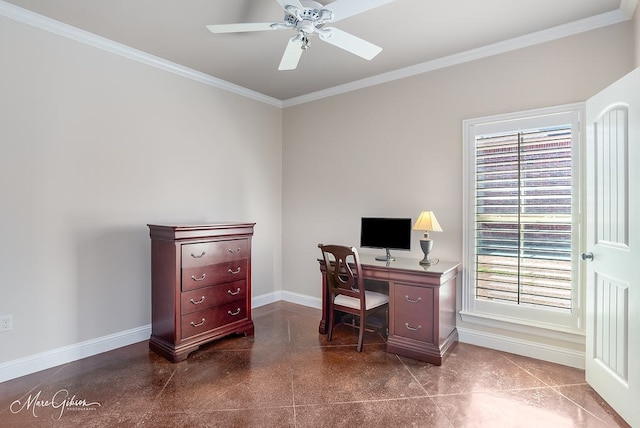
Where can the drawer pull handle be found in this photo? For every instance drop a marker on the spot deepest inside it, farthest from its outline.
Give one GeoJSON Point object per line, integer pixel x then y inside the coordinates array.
{"type": "Point", "coordinates": [233, 293]}
{"type": "Point", "coordinates": [198, 324]}
{"type": "Point", "coordinates": [204, 275]}
{"type": "Point", "coordinates": [233, 313]}
{"type": "Point", "coordinates": [409, 299]}
{"type": "Point", "coordinates": [412, 328]}
{"type": "Point", "coordinates": [232, 251]}
{"type": "Point", "coordinates": [234, 272]}
{"type": "Point", "coordinates": [197, 257]}
{"type": "Point", "coordinates": [198, 302]}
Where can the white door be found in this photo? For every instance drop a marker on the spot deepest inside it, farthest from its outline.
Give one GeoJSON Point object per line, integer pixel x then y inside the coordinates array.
{"type": "Point", "coordinates": [612, 248]}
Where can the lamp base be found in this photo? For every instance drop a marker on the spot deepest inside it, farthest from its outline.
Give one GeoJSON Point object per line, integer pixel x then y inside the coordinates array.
{"type": "Point", "coordinates": [426, 245]}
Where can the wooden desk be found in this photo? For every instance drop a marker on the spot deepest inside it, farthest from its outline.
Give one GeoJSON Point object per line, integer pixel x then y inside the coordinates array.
{"type": "Point", "coordinates": [422, 305]}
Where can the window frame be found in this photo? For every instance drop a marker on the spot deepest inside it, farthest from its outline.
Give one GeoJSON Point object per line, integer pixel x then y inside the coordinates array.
{"type": "Point", "coordinates": [509, 316]}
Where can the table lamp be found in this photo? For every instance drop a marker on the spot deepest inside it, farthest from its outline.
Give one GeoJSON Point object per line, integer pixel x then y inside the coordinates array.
{"type": "Point", "coordinates": [427, 221]}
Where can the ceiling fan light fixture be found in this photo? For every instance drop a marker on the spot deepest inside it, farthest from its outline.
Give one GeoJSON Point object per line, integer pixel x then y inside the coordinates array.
{"type": "Point", "coordinates": [303, 39]}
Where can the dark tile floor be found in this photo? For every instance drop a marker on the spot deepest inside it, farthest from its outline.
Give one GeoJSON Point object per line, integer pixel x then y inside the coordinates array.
{"type": "Point", "coordinates": [288, 376]}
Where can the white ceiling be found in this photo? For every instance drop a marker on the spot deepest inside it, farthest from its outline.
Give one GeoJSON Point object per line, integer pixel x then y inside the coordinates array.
{"type": "Point", "coordinates": [419, 34]}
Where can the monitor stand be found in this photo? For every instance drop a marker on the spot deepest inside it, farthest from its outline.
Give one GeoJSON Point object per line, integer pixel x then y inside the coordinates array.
{"type": "Point", "coordinates": [388, 258]}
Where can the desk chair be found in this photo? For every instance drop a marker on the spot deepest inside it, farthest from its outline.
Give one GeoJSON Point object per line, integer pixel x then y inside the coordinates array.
{"type": "Point", "coordinates": [346, 288]}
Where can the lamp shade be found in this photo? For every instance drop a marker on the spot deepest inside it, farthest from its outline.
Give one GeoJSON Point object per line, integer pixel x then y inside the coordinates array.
{"type": "Point", "coordinates": [427, 221]}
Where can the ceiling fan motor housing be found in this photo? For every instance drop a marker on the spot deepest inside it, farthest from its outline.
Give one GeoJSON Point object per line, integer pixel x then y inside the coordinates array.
{"type": "Point", "coordinates": [309, 19]}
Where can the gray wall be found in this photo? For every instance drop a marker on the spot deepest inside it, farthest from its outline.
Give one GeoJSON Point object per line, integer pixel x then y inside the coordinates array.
{"type": "Point", "coordinates": [396, 149]}
{"type": "Point", "coordinates": [94, 146]}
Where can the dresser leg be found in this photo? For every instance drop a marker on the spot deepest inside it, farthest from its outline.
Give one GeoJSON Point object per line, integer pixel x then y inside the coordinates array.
{"type": "Point", "coordinates": [249, 330]}
{"type": "Point", "coordinates": [169, 352]}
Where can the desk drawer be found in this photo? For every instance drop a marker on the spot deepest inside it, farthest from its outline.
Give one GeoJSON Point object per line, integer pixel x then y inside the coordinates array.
{"type": "Point", "coordinates": [414, 312]}
{"type": "Point", "coordinates": [208, 253]}
{"type": "Point", "coordinates": [209, 319]}
{"type": "Point", "coordinates": [198, 277]}
{"type": "Point", "coordinates": [206, 297]}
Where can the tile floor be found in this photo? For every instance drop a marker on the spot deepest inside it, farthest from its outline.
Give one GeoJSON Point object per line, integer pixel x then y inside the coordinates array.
{"type": "Point", "coordinates": [288, 376]}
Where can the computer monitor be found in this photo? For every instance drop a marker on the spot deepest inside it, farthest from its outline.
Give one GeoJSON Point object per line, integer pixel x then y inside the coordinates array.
{"type": "Point", "coordinates": [387, 233]}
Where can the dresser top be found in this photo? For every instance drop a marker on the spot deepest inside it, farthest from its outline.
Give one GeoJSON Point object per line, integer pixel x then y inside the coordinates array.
{"type": "Point", "coordinates": [194, 231]}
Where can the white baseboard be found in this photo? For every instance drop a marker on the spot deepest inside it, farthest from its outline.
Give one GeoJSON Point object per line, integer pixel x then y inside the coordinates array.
{"type": "Point", "coordinates": [302, 299]}
{"type": "Point", "coordinates": [55, 357]}
{"type": "Point", "coordinates": [287, 296]}
{"type": "Point", "coordinates": [265, 299]}
{"type": "Point", "coordinates": [554, 354]}
{"type": "Point", "coordinates": [66, 354]}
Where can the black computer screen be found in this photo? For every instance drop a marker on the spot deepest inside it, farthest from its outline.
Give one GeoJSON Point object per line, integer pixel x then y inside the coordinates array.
{"type": "Point", "coordinates": [381, 232]}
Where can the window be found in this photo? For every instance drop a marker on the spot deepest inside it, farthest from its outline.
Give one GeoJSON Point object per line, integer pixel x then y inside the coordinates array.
{"type": "Point", "coordinates": [522, 228]}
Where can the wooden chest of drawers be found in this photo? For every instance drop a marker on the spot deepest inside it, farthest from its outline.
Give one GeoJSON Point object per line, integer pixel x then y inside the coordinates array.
{"type": "Point", "coordinates": [201, 285]}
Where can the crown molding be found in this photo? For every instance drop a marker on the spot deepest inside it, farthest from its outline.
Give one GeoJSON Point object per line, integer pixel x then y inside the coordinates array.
{"type": "Point", "coordinates": [561, 31]}
{"type": "Point", "coordinates": [625, 13]}
{"type": "Point", "coordinates": [39, 21]}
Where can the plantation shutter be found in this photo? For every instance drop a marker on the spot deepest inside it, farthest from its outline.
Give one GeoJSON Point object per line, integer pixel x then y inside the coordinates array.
{"type": "Point", "coordinates": [523, 218]}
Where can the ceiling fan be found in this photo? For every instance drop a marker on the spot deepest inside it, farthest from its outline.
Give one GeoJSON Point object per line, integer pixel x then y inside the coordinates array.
{"type": "Point", "coordinates": [307, 17]}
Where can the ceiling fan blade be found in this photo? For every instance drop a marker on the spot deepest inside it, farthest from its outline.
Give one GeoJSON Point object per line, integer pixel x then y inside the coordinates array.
{"type": "Point", "coordinates": [241, 28]}
{"type": "Point", "coordinates": [345, 8]}
{"type": "Point", "coordinates": [351, 43]}
{"type": "Point", "coordinates": [291, 56]}
{"type": "Point", "coordinates": [285, 3]}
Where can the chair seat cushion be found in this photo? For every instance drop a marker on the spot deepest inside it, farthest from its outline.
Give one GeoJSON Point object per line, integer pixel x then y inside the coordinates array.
{"type": "Point", "coordinates": [373, 300]}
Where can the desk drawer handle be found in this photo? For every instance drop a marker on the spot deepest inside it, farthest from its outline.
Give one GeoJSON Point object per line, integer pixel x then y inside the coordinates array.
{"type": "Point", "coordinates": [198, 302]}
{"type": "Point", "coordinates": [232, 251]}
{"type": "Point", "coordinates": [204, 275]}
{"type": "Point", "coordinates": [409, 299]}
{"type": "Point", "coordinates": [234, 313]}
{"type": "Point", "coordinates": [412, 328]}
{"type": "Point", "coordinates": [198, 324]}
{"type": "Point", "coordinates": [197, 257]}
{"type": "Point", "coordinates": [234, 293]}
{"type": "Point", "coordinates": [234, 272]}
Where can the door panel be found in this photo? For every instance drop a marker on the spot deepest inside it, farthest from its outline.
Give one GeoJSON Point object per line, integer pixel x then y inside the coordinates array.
{"type": "Point", "coordinates": [612, 209]}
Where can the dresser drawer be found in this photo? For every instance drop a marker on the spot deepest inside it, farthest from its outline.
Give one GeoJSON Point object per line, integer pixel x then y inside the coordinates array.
{"type": "Point", "coordinates": [208, 253]}
{"type": "Point", "coordinates": [413, 308]}
{"type": "Point", "coordinates": [209, 319]}
{"type": "Point", "coordinates": [198, 277]}
{"type": "Point", "coordinates": [207, 297]}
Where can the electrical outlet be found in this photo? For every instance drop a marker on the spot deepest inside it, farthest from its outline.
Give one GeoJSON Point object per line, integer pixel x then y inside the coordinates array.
{"type": "Point", "coordinates": [6, 323]}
